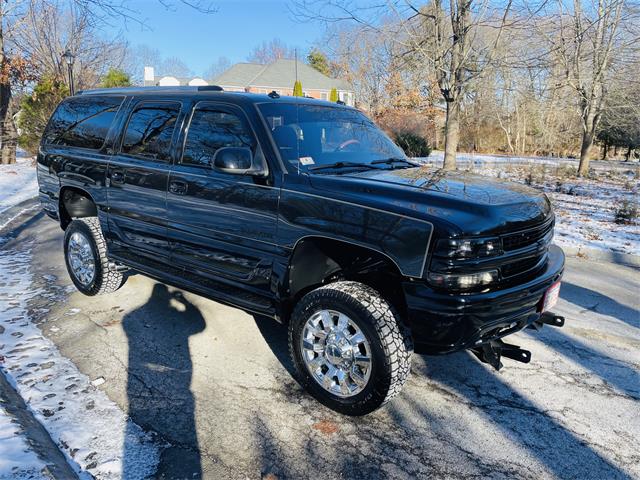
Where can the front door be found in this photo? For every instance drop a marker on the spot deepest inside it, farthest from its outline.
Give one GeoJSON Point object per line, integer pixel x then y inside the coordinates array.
{"type": "Point", "coordinates": [221, 226]}
{"type": "Point", "coordinates": [137, 181]}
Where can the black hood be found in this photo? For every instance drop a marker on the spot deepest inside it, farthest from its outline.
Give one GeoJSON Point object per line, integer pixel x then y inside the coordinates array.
{"type": "Point", "coordinates": [462, 203]}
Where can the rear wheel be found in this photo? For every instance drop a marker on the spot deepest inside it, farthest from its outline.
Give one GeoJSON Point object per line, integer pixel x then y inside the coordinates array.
{"type": "Point", "coordinates": [85, 253]}
{"type": "Point", "coordinates": [349, 346]}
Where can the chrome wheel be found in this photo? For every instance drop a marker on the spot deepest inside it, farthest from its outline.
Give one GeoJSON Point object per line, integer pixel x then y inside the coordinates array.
{"type": "Point", "coordinates": [81, 260]}
{"type": "Point", "coordinates": [336, 353]}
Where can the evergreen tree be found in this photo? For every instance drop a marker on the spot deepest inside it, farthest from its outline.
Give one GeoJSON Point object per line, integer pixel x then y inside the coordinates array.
{"type": "Point", "coordinates": [333, 96]}
{"type": "Point", "coordinates": [319, 61]}
{"type": "Point", "coordinates": [115, 78]}
{"type": "Point", "coordinates": [35, 110]}
{"type": "Point", "coordinates": [297, 89]}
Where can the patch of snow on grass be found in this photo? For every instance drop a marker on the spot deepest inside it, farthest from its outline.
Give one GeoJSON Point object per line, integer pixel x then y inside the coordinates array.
{"type": "Point", "coordinates": [584, 207]}
{"type": "Point", "coordinates": [93, 433]}
{"type": "Point", "coordinates": [18, 182]}
{"type": "Point", "coordinates": [16, 460]}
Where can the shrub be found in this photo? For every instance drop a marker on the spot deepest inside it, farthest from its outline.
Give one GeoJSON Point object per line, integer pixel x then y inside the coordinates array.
{"type": "Point", "coordinates": [115, 78]}
{"type": "Point", "coordinates": [333, 96]}
{"type": "Point", "coordinates": [35, 110]}
{"type": "Point", "coordinates": [626, 212]}
{"type": "Point", "coordinates": [413, 145]}
{"type": "Point", "coordinates": [297, 89]}
{"type": "Point", "coordinates": [536, 174]}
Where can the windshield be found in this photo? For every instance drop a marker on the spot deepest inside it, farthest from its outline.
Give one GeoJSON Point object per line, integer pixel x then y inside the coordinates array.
{"type": "Point", "coordinates": [310, 136]}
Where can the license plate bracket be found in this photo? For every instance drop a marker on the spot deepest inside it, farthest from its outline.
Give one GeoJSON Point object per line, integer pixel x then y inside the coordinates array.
{"type": "Point", "coordinates": [550, 297]}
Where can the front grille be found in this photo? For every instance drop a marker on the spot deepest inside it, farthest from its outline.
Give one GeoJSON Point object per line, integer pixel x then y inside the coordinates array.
{"type": "Point", "coordinates": [524, 238]}
{"type": "Point", "coordinates": [520, 266]}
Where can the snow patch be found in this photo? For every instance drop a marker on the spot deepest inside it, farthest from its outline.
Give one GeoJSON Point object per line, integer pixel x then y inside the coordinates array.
{"type": "Point", "coordinates": [584, 207]}
{"type": "Point", "coordinates": [17, 461]}
{"type": "Point", "coordinates": [90, 429]}
{"type": "Point", "coordinates": [18, 182]}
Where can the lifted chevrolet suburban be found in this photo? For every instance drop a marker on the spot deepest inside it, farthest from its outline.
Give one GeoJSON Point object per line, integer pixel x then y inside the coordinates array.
{"type": "Point", "coordinates": [304, 211]}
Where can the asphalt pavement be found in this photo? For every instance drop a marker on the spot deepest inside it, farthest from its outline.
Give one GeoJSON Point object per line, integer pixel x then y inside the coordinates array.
{"type": "Point", "coordinates": [215, 384]}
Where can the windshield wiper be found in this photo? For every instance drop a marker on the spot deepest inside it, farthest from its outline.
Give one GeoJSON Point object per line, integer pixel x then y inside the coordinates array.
{"type": "Point", "coordinates": [343, 165]}
{"type": "Point", "coordinates": [392, 160]}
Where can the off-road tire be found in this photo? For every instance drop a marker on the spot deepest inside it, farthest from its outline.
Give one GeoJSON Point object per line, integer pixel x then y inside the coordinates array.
{"type": "Point", "coordinates": [390, 341]}
{"type": "Point", "coordinates": [104, 280]}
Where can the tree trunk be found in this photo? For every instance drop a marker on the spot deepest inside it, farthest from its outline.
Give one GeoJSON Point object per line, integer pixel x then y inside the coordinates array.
{"type": "Point", "coordinates": [451, 135]}
{"type": "Point", "coordinates": [8, 131]}
{"type": "Point", "coordinates": [628, 155]}
{"type": "Point", "coordinates": [605, 149]}
{"type": "Point", "coordinates": [589, 124]}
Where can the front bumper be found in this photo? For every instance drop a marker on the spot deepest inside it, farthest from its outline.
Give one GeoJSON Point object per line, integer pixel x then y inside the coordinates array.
{"type": "Point", "coordinates": [443, 323]}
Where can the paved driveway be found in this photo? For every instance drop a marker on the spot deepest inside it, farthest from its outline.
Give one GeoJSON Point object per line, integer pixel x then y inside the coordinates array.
{"type": "Point", "coordinates": [215, 384]}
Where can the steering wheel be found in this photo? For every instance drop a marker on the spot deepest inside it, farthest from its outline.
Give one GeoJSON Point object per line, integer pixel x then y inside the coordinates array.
{"type": "Point", "coordinates": [345, 144]}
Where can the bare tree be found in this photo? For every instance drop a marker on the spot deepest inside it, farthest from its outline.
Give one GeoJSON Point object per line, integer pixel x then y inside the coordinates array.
{"type": "Point", "coordinates": [48, 29]}
{"type": "Point", "coordinates": [138, 57]}
{"type": "Point", "coordinates": [216, 68]}
{"type": "Point", "coordinates": [586, 38]}
{"type": "Point", "coordinates": [174, 66]}
{"type": "Point", "coordinates": [269, 52]}
{"type": "Point", "coordinates": [12, 70]}
{"type": "Point", "coordinates": [445, 39]}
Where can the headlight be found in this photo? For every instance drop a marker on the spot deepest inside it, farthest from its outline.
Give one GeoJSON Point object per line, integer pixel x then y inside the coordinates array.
{"type": "Point", "coordinates": [468, 247]}
{"type": "Point", "coordinates": [463, 281]}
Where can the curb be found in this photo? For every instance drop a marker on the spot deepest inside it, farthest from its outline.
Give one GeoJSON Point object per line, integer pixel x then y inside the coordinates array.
{"type": "Point", "coordinates": [9, 215]}
{"type": "Point", "coordinates": [587, 253]}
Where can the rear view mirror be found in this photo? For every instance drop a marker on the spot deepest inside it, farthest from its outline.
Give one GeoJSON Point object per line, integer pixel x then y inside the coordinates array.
{"type": "Point", "coordinates": [236, 160]}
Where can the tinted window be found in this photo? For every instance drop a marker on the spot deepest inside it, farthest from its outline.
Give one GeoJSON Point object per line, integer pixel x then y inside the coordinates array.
{"type": "Point", "coordinates": [211, 129]}
{"type": "Point", "coordinates": [150, 129]}
{"type": "Point", "coordinates": [82, 122]}
{"type": "Point", "coordinates": [311, 135]}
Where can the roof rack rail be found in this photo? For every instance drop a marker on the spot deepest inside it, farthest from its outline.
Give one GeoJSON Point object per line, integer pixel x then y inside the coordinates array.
{"type": "Point", "coordinates": [132, 90]}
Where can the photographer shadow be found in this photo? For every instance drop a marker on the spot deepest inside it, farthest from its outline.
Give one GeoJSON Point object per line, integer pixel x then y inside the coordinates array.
{"type": "Point", "coordinates": [159, 381]}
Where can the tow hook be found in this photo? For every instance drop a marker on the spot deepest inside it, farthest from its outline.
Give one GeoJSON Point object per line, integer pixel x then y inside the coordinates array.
{"type": "Point", "coordinates": [493, 350]}
{"type": "Point", "coordinates": [548, 318]}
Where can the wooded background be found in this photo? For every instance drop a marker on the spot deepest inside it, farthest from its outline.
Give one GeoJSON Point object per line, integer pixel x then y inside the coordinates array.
{"type": "Point", "coordinates": [519, 77]}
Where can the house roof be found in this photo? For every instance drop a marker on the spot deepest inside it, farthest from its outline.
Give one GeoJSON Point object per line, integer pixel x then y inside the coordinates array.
{"type": "Point", "coordinates": [279, 74]}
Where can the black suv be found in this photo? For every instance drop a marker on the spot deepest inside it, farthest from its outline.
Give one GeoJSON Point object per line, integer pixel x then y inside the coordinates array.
{"type": "Point", "coordinates": [306, 212]}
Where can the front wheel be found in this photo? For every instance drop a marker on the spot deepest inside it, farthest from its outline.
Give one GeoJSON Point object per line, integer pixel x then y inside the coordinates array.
{"type": "Point", "coordinates": [349, 347]}
{"type": "Point", "coordinates": [85, 253]}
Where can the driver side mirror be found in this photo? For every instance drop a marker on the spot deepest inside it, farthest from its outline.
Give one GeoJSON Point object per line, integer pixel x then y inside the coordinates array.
{"type": "Point", "coordinates": [237, 161]}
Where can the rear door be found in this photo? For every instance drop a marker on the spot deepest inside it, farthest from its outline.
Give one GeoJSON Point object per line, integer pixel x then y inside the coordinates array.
{"type": "Point", "coordinates": [137, 179]}
{"type": "Point", "coordinates": [221, 225]}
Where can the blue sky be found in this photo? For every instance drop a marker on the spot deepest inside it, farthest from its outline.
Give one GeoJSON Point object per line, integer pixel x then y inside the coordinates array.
{"type": "Point", "coordinates": [233, 31]}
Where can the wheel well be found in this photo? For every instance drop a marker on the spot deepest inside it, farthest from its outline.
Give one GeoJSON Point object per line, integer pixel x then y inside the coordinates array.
{"type": "Point", "coordinates": [75, 203]}
{"type": "Point", "coordinates": [316, 261]}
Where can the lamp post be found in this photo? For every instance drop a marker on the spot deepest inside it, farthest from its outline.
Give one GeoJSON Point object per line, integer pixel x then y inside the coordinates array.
{"type": "Point", "coordinates": [69, 58]}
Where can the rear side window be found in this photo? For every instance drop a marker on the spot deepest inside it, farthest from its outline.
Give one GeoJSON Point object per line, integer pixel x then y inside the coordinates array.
{"type": "Point", "coordinates": [150, 130]}
{"type": "Point", "coordinates": [210, 129]}
{"type": "Point", "coordinates": [82, 122]}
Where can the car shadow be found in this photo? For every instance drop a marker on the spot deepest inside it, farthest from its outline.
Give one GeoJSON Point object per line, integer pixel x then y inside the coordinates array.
{"type": "Point", "coordinates": [276, 337]}
{"type": "Point", "coordinates": [476, 386]}
{"type": "Point", "coordinates": [596, 302]}
{"type": "Point", "coordinates": [159, 380]}
{"type": "Point", "coordinates": [613, 372]}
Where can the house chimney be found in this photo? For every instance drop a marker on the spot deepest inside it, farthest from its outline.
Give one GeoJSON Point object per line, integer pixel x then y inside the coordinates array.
{"type": "Point", "coordinates": [148, 76]}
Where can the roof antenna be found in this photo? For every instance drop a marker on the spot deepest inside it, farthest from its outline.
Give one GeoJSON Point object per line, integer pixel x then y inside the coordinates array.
{"type": "Point", "coordinates": [295, 54]}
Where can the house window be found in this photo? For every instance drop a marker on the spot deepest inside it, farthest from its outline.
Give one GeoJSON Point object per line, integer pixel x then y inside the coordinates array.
{"type": "Point", "coordinates": [324, 96]}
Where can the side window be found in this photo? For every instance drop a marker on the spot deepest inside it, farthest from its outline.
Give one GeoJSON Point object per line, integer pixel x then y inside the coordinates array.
{"type": "Point", "coordinates": [82, 122]}
{"type": "Point", "coordinates": [150, 129]}
{"type": "Point", "coordinates": [211, 129]}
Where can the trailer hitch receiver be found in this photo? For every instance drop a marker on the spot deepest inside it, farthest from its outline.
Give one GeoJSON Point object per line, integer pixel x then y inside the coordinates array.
{"type": "Point", "coordinates": [548, 318]}
{"type": "Point", "coordinates": [492, 351]}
